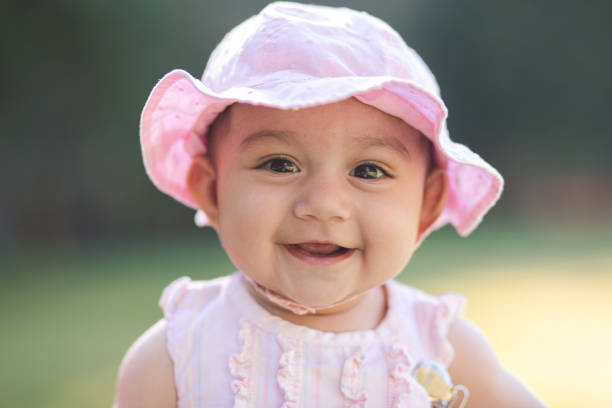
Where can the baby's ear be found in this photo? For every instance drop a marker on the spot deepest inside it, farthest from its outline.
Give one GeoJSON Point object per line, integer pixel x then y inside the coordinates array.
{"type": "Point", "coordinates": [435, 195]}
{"type": "Point", "coordinates": [201, 183]}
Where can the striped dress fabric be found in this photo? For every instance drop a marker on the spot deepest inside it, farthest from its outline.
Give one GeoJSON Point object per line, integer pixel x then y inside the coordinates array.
{"type": "Point", "coordinates": [230, 352]}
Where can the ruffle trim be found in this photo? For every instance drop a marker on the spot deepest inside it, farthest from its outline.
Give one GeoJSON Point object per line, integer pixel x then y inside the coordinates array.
{"type": "Point", "coordinates": [289, 375]}
{"type": "Point", "coordinates": [450, 306]}
{"type": "Point", "coordinates": [173, 294]}
{"type": "Point", "coordinates": [240, 366]}
{"type": "Point", "coordinates": [405, 391]}
{"type": "Point", "coordinates": [171, 301]}
{"type": "Point", "coordinates": [351, 382]}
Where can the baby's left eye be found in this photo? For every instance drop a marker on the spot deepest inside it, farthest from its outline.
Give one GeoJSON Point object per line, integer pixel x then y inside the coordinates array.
{"type": "Point", "coordinates": [280, 165]}
{"type": "Point", "coordinates": [368, 171]}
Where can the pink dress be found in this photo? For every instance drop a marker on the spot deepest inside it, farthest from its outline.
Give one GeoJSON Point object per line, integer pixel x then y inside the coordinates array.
{"type": "Point", "coordinates": [230, 352]}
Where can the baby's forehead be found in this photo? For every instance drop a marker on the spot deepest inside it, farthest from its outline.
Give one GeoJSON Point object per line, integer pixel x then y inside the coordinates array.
{"type": "Point", "coordinates": [357, 121]}
{"type": "Point", "coordinates": [347, 125]}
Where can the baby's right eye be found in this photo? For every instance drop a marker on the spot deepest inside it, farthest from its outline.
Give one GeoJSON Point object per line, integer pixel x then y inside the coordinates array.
{"type": "Point", "coordinates": [280, 165]}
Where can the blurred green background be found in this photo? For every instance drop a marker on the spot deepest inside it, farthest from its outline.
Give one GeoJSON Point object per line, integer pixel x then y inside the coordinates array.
{"type": "Point", "coordinates": [87, 243]}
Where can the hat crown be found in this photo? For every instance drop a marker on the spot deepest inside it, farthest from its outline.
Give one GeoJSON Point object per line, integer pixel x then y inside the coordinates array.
{"type": "Point", "coordinates": [289, 42]}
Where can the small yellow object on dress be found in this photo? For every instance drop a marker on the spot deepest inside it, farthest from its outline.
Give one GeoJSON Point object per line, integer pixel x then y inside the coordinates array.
{"type": "Point", "coordinates": [437, 382]}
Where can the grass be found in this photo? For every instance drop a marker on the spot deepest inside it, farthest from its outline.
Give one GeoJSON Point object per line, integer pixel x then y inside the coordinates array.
{"type": "Point", "coordinates": [540, 295]}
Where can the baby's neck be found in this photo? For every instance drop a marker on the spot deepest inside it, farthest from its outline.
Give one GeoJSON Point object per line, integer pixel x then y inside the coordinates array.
{"type": "Point", "coordinates": [363, 313]}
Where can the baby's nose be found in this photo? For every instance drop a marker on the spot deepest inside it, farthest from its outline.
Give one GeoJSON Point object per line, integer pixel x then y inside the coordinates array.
{"type": "Point", "coordinates": [323, 198]}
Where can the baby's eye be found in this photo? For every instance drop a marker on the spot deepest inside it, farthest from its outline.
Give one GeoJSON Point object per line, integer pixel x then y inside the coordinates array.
{"type": "Point", "coordinates": [368, 171]}
{"type": "Point", "coordinates": [280, 165]}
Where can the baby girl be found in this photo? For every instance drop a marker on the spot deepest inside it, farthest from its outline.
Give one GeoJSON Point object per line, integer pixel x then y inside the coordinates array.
{"type": "Point", "coordinates": [316, 146]}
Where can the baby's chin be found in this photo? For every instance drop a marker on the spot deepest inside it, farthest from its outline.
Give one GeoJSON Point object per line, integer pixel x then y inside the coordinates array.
{"type": "Point", "coordinates": [321, 293]}
{"type": "Point", "coordinates": [316, 302]}
{"type": "Point", "coordinates": [321, 303]}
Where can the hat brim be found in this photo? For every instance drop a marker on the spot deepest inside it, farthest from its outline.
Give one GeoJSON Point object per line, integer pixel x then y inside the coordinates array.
{"type": "Point", "coordinates": [180, 109]}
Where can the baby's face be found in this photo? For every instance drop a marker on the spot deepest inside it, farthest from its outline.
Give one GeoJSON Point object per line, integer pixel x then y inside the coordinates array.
{"type": "Point", "coordinates": [322, 203]}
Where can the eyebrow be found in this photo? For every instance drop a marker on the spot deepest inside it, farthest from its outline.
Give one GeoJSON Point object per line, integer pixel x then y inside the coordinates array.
{"type": "Point", "coordinates": [386, 142]}
{"type": "Point", "coordinates": [362, 142]}
{"type": "Point", "coordinates": [278, 135]}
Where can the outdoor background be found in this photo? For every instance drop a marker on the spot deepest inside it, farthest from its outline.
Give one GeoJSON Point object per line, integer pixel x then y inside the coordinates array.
{"type": "Point", "coordinates": [87, 243]}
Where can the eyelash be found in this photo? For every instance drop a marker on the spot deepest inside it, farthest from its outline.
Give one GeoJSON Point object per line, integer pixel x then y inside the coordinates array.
{"type": "Point", "coordinates": [379, 171]}
{"type": "Point", "coordinates": [286, 163]}
{"type": "Point", "coordinates": [277, 160]}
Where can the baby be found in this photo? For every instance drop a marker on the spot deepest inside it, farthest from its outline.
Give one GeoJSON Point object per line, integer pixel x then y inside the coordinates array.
{"type": "Point", "coordinates": [316, 146]}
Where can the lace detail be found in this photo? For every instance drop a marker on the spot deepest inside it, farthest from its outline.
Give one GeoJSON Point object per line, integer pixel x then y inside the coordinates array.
{"type": "Point", "coordinates": [240, 366]}
{"type": "Point", "coordinates": [351, 381]}
{"type": "Point", "coordinates": [289, 376]}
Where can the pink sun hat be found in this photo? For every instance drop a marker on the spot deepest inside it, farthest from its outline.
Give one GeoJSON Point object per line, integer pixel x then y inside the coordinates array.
{"type": "Point", "coordinates": [294, 56]}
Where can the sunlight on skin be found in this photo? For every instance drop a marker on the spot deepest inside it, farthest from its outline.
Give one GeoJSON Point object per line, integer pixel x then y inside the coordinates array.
{"type": "Point", "coordinates": [549, 323]}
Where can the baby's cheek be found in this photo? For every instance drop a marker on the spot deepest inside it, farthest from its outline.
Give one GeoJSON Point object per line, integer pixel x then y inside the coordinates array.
{"type": "Point", "coordinates": [245, 228]}
{"type": "Point", "coordinates": [393, 236]}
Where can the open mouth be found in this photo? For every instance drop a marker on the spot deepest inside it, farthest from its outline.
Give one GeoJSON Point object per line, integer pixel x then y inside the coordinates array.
{"type": "Point", "coordinates": [319, 252]}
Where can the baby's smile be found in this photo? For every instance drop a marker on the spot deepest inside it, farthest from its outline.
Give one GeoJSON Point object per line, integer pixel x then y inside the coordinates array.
{"type": "Point", "coordinates": [319, 253]}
